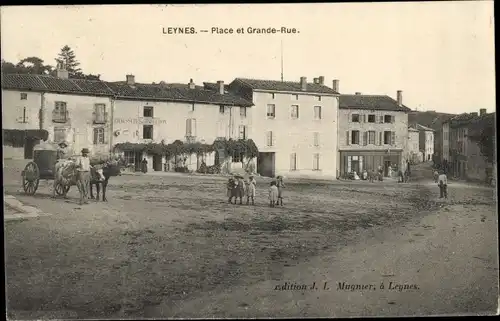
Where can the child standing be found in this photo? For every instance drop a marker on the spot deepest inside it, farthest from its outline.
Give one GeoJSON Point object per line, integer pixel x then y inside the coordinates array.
{"type": "Point", "coordinates": [273, 194]}
{"type": "Point", "coordinates": [231, 184]}
{"type": "Point", "coordinates": [280, 186]}
{"type": "Point", "coordinates": [251, 187]}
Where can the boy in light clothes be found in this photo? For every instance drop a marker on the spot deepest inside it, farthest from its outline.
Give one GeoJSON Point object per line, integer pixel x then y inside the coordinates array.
{"type": "Point", "coordinates": [251, 187]}
{"type": "Point", "coordinates": [443, 185]}
{"type": "Point", "coordinates": [273, 194]}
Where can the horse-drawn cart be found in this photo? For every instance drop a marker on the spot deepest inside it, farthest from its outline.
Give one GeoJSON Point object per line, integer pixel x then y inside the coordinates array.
{"type": "Point", "coordinates": [42, 167]}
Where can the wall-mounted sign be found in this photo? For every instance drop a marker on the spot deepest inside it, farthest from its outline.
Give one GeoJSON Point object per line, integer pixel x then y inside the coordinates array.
{"type": "Point", "coordinates": [140, 121]}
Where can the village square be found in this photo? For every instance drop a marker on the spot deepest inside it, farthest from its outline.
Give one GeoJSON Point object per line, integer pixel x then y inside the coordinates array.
{"type": "Point", "coordinates": [244, 197]}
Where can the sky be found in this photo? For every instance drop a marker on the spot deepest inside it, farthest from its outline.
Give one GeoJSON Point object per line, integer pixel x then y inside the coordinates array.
{"type": "Point", "coordinates": [440, 54]}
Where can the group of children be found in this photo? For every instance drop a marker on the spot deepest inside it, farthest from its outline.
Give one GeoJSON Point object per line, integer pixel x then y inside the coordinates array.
{"type": "Point", "coordinates": [237, 187]}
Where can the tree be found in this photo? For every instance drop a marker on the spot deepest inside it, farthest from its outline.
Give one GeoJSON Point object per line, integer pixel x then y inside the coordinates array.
{"type": "Point", "coordinates": [30, 65]}
{"type": "Point", "coordinates": [68, 57]}
{"type": "Point", "coordinates": [34, 65]}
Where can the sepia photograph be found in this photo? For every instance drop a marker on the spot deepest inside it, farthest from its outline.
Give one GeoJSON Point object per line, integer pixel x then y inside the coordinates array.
{"type": "Point", "coordinates": [307, 160]}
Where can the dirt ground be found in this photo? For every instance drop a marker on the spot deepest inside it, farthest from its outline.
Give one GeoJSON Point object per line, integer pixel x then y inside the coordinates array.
{"type": "Point", "coordinates": [166, 239]}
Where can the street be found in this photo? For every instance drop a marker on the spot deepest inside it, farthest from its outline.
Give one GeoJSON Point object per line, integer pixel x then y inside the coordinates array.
{"type": "Point", "coordinates": [171, 246]}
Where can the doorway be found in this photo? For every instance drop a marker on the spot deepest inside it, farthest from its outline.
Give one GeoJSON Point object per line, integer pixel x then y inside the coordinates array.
{"type": "Point", "coordinates": [265, 164]}
{"type": "Point", "coordinates": [29, 144]}
{"type": "Point", "coordinates": [157, 163]}
{"type": "Point", "coordinates": [138, 161]}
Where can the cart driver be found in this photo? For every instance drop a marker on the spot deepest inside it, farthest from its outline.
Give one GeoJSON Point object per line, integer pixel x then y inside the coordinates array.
{"type": "Point", "coordinates": [62, 150]}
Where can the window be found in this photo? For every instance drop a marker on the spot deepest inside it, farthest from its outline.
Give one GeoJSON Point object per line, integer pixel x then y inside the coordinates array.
{"type": "Point", "coordinates": [24, 96]}
{"type": "Point", "coordinates": [270, 139]}
{"type": "Point", "coordinates": [243, 112]}
{"type": "Point", "coordinates": [243, 132]}
{"type": "Point", "coordinates": [355, 137]}
{"type": "Point", "coordinates": [293, 162]}
{"type": "Point", "coordinates": [388, 118]}
{"type": "Point", "coordinates": [100, 113]}
{"type": "Point", "coordinates": [295, 111]}
{"type": "Point", "coordinates": [147, 132]}
{"type": "Point", "coordinates": [371, 118]}
{"type": "Point", "coordinates": [99, 136]}
{"type": "Point", "coordinates": [129, 157]}
{"type": "Point", "coordinates": [371, 137]}
{"type": "Point", "coordinates": [148, 111]}
{"type": "Point", "coordinates": [22, 115]}
{"type": "Point", "coordinates": [387, 138]}
{"type": "Point", "coordinates": [316, 139]}
{"type": "Point", "coordinates": [317, 112]}
{"type": "Point", "coordinates": [222, 109]}
{"type": "Point", "coordinates": [238, 157]}
{"type": "Point", "coordinates": [190, 127]}
{"type": "Point", "coordinates": [355, 118]}
{"type": "Point", "coordinates": [60, 113]}
{"type": "Point", "coordinates": [316, 162]}
{"type": "Point", "coordinates": [271, 111]}
{"type": "Point", "coordinates": [59, 134]}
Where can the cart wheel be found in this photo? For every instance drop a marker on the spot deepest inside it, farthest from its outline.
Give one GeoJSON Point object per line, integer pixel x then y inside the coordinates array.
{"type": "Point", "coordinates": [31, 178]}
{"type": "Point", "coordinates": [61, 190]}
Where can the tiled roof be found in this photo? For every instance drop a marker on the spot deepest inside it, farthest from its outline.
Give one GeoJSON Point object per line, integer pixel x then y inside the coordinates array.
{"type": "Point", "coordinates": [372, 102]}
{"type": "Point", "coordinates": [276, 85]}
{"type": "Point", "coordinates": [214, 86]}
{"type": "Point", "coordinates": [421, 127]}
{"type": "Point", "coordinates": [120, 89]}
{"type": "Point", "coordinates": [412, 129]}
{"type": "Point", "coordinates": [54, 84]}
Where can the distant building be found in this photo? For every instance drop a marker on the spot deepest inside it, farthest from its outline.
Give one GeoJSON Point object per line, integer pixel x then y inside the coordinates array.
{"type": "Point", "coordinates": [465, 159]}
{"type": "Point", "coordinates": [426, 142]}
{"type": "Point", "coordinates": [294, 125]}
{"type": "Point", "coordinates": [414, 154]}
{"type": "Point", "coordinates": [373, 132]}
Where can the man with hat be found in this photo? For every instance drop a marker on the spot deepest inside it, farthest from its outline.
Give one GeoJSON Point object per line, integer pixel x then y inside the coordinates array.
{"type": "Point", "coordinates": [83, 178]}
{"type": "Point", "coordinates": [62, 150]}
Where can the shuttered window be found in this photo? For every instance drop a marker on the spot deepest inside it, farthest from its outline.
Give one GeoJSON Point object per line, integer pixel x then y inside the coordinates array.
{"type": "Point", "coordinates": [393, 138]}
{"type": "Point", "coordinates": [348, 137]}
{"type": "Point", "coordinates": [293, 161]}
{"type": "Point", "coordinates": [99, 136]}
{"type": "Point", "coordinates": [316, 162]}
{"type": "Point", "coordinates": [191, 127]}
{"type": "Point", "coordinates": [242, 132]}
{"type": "Point", "coordinates": [371, 137]}
{"type": "Point", "coordinates": [270, 138]}
{"type": "Point", "coordinates": [365, 138]}
{"type": "Point", "coordinates": [316, 138]}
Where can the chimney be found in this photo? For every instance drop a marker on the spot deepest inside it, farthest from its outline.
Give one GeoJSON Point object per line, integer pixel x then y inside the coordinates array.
{"type": "Point", "coordinates": [220, 85]}
{"type": "Point", "coordinates": [316, 80]}
{"type": "Point", "coordinates": [335, 85]}
{"type": "Point", "coordinates": [482, 111]}
{"type": "Point", "coordinates": [191, 84]}
{"type": "Point", "coordinates": [61, 71]}
{"type": "Point", "coordinates": [321, 80]}
{"type": "Point", "coordinates": [303, 83]}
{"type": "Point", "coordinates": [358, 93]}
{"type": "Point", "coordinates": [130, 80]}
{"type": "Point", "coordinates": [400, 97]}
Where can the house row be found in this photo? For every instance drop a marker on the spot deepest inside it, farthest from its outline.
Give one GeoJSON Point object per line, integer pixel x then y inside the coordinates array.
{"type": "Point", "coordinates": [421, 143]}
{"type": "Point", "coordinates": [462, 153]}
{"type": "Point", "coordinates": [300, 128]}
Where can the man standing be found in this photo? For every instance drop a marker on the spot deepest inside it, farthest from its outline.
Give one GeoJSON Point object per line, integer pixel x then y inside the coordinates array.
{"type": "Point", "coordinates": [62, 150]}
{"type": "Point", "coordinates": [443, 185]}
{"type": "Point", "coordinates": [83, 178]}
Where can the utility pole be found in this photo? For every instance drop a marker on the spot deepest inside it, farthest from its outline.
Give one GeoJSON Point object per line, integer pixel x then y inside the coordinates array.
{"type": "Point", "coordinates": [281, 60]}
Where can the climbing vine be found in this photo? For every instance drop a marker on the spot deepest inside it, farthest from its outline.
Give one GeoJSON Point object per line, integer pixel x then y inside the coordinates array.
{"type": "Point", "coordinates": [482, 131]}
{"type": "Point", "coordinates": [17, 137]}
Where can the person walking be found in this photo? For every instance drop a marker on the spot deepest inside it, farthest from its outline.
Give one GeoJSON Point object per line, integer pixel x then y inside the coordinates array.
{"type": "Point", "coordinates": [83, 175]}
{"type": "Point", "coordinates": [443, 185]}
